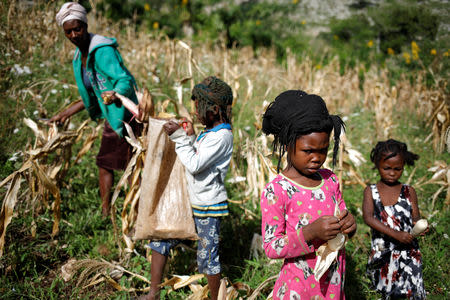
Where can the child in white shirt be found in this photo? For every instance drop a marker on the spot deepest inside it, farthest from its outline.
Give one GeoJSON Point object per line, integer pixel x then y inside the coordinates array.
{"type": "Point", "coordinates": [206, 159]}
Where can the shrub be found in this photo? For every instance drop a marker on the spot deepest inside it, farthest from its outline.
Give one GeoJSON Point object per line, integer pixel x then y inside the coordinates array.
{"type": "Point", "coordinates": [403, 32]}
{"type": "Point", "coordinates": [249, 23]}
{"type": "Point", "coordinates": [398, 24]}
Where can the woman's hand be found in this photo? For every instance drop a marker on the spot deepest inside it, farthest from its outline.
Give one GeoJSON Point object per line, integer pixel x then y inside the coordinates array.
{"type": "Point", "coordinates": [59, 118]}
{"type": "Point", "coordinates": [324, 228]}
{"type": "Point", "coordinates": [170, 127]}
{"type": "Point", "coordinates": [67, 113]}
{"type": "Point", "coordinates": [347, 222]}
{"type": "Point", "coordinates": [109, 97]}
{"type": "Point", "coordinates": [404, 237]}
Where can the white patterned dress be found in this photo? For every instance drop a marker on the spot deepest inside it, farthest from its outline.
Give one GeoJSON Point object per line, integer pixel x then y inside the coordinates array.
{"type": "Point", "coordinates": [395, 268]}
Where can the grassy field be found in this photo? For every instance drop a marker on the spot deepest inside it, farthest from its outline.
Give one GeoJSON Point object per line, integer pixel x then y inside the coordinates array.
{"type": "Point", "coordinates": [37, 81]}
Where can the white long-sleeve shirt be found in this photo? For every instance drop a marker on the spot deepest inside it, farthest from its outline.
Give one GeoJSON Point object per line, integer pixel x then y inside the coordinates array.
{"type": "Point", "coordinates": [206, 162]}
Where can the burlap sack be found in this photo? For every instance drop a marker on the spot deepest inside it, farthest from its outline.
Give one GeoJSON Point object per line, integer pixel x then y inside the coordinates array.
{"type": "Point", "coordinates": [164, 209]}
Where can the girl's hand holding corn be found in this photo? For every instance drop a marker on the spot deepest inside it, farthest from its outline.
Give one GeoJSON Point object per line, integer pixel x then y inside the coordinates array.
{"type": "Point", "coordinates": [171, 126]}
{"type": "Point", "coordinates": [324, 228]}
{"type": "Point", "coordinates": [188, 127]}
{"type": "Point", "coordinates": [347, 222]}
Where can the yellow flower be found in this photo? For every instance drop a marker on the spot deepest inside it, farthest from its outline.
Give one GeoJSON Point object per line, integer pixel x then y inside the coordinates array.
{"type": "Point", "coordinates": [318, 67]}
{"type": "Point", "coordinates": [407, 57]}
{"type": "Point", "coordinates": [415, 54]}
{"type": "Point", "coordinates": [335, 37]}
{"type": "Point", "coordinates": [414, 47]}
{"type": "Point", "coordinates": [446, 53]}
{"type": "Point", "coordinates": [155, 25]}
{"type": "Point", "coordinates": [184, 2]}
{"type": "Point", "coordinates": [433, 51]}
{"type": "Point", "coordinates": [303, 22]}
{"type": "Point", "coordinates": [294, 1]}
{"type": "Point", "coordinates": [370, 44]}
{"type": "Point", "coordinates": [258, 22]}
{"type": "Point", "coordinates": [147, 7]}
{"type": "Point", "coordinates": [390, 51]}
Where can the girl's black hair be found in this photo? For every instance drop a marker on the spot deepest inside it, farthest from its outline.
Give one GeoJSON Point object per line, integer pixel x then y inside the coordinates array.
{"type": "Point", "coordinates": [390, 148]}
{"type": "Point", "coordinates": [294, 113]}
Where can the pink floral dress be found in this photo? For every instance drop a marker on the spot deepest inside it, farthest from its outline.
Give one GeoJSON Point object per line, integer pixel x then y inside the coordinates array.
{"type": "Point", "coordinates": [286, 207]}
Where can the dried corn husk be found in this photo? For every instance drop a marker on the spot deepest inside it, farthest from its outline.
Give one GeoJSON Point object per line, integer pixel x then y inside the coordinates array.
{"type": "Point", "coordinates": [440, 177]}
{"type": "Point", "coordinates": [328, 252]}
{"type": "Point", "coordinates": [8, 208]}
{"type": "Point", "coordinates": [67, 270]}
{"type": "Point", "coordinates": [258, 290]}
{"type": "Point", "coordinates": [420, 227]}
{"type": "Point", "coordinates": [179, 281]}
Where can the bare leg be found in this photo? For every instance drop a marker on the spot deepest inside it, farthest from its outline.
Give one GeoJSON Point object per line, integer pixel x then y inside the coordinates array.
{"type": "Point", "coordinates": [106, 180]}
{"type": "Point", "coordinates": [214, 284]}
{"type": "Point", "coordinates": [158, 263]}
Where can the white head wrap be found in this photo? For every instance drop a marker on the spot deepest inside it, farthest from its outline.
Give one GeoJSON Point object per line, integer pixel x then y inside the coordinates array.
{"type": "Point", "coordinates": [71, 11]}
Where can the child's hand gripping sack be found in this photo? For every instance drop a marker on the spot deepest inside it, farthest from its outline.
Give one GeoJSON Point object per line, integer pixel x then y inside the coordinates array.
{"type": "Point", "coordinates": [328, 252]}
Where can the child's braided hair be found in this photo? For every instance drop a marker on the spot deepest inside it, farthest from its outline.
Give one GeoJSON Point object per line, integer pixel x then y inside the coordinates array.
{"type": "Point", "coordinates": [390, 148]}
{"type": "Point", "coordinates": [213, 91]}
{"type": "Point", "coordinates": [295, 113]}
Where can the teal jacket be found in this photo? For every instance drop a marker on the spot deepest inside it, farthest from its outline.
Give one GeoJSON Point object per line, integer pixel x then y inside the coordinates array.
{"type": "Point", "coordinates": [106, 71]}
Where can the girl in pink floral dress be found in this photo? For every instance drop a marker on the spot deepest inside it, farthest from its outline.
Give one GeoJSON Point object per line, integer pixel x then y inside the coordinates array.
{"type": "Point", "coordinates": [298, 205]}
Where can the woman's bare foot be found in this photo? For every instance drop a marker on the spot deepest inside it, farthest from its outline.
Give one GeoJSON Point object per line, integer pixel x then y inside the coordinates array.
{"type": "Point", "coordinates": [149, 296]}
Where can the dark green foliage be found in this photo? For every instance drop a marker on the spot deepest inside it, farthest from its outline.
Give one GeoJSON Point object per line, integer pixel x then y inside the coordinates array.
{"type": "Point", "coordinates": [374, 33]}
{"type": "Point", "coordinates": [386, 31]}
{"type": "Point", "coordinates": [260, 24]}
{"type": "Point", "coordinates": [352, 30]}
{"type": "Point", "coordinates": [118, 9]}
{"type": "Point", "coordinates": [398, 24]}
{"type": "Point", "coordinates": [250, 23]}
{"type": "Point", "coordinates": [350, 37]}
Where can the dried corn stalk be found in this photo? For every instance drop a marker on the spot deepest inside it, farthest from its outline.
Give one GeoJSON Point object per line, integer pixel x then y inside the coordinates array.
{"type": "Point", "coordinates": [8, 207]}
{"type": "Point", "coordinates": [349, 161]}
{"type": "Point", "coordinates": [383, 101]}
{"type": "Point", "coordinates": [259, 168]}
{"type": "Point", "coordinates": [440, 120]}
{"type": "Point", "coordinates": [441, 177]}
{"type": "Point", "coordinates": [42, 173]}
{"type": "Point", "coordinates": [92, 272]}
{"type": "Point", "coordinates": [258, 290]}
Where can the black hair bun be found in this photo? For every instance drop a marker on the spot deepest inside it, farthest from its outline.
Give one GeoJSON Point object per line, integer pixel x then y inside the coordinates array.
{"type": "Point", "coordinates": [275, 116]}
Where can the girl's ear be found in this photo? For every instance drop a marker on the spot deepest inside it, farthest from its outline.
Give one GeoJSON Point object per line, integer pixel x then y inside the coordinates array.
{"type": "Point", "coordinates": [216, 111]}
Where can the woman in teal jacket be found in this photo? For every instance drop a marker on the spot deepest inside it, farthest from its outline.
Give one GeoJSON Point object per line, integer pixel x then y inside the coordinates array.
{"type": "Point", "coordinates": [99, 72]}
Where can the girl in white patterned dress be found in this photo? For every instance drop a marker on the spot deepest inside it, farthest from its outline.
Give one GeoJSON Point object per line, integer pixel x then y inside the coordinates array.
{"type": "Point", "coordinates": [390, 208]}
